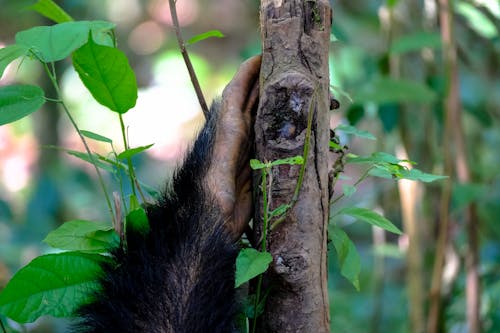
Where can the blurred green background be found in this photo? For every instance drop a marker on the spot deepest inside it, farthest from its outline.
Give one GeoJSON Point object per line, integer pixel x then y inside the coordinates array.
{"type": "Point", "coordinates": [387, 70]}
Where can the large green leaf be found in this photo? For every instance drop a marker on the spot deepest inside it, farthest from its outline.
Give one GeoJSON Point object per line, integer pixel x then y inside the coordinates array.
{"type": "Point", "coordinates": [81, 235]}
{"type": "Point", "coordinates": [416, 42]}
{"type": "Point", "coordinates": [53, 284]}
{"type": "Point", "coordinates": [106, 73]}
{"type": "Point", "coordinates": [251, 263]}
{"type": "Point", "coordinates": [56, 42]}
{"type": "Point", "coordinates": [388, 90]}
{"type": "Point", "coordinates": [371, 217]}
{"type": "Point", "coordinates": [9, 54]}
{"type": "Point", "coordinates": [349, 260]}
{"type": "Point", "coordinates": [18, 101]}
{"type": "Point", "coordinates": [51, 10]}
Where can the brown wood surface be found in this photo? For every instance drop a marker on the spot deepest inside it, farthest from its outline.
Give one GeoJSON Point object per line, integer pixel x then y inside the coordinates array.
{"type": "Point", "coordinates": [294, 72]}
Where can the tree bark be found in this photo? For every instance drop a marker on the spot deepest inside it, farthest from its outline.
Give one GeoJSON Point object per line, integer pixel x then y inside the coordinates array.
{"type": "Point", "coordinates": [294, 74]}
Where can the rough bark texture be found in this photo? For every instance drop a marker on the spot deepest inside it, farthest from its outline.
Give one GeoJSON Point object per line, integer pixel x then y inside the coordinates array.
{"type": "Point", "coordinates": [294, 73]}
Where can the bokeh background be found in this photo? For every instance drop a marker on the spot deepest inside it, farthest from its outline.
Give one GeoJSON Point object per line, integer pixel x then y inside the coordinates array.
{"type": "Point", "coordinates": [399, 41]}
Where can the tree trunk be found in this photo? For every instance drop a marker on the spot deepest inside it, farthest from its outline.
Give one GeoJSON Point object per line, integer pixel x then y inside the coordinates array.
{"type": "Point", "coordinates": [294, 81]}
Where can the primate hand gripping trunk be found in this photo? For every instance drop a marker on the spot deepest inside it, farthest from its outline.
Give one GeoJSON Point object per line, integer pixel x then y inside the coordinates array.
{"type": "Point", "coordinates": [180, 276]}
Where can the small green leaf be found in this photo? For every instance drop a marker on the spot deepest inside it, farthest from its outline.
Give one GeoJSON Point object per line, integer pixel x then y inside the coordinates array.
{"type": "Point", "coordinates": [79, 235]}
{"type": "Point", "coordinates": [95, 136]}
{"type": "Point", "coordinates": [257, 165]}
{"type": "Point", "coordinates": [389, 251]}
{"type": "Point", "coordinates": [349, 260]}
{"type": "Point", "coordinates": [279, 211]}
{"type": "Point", "coordinates": [415, 174]}
{"type": "Point", "coordinates": [377, 157]}
{"type": "Point", "coordinates": [18, 101]}
{"type": "Point", "coordinates": [477, 20]}
{"type": "Point", "coordinates": [137, 221]}
{"type": "Point", "coordinates": [10, 53]}
{"type": "Point", "coordinates": [106, 73]}
{"type": "Point", "coordinates": [53, 284]}
{"type": "Point", "coordinates": [356, 132]}
{"type": "Point", "coordinates": [96, 159]}
{"type": "Point", "coordinates": [371, 217]}
{"type": "Point", "coordinates": [335, 146]}
{"type": "Point", "coordinates": [205, 35]}
{"type": "Point", "coordinates": [348, 190]}
{"type": "Point", "coordinates": [289, 160]}
{"type": "Point", "coordinates": [389, 90]}
{"type": "Point", "coordinates": [51, 10]}
{"type": "Point", "coordinates": [416, 42]}
{"type": "Point", "coordinates": [249, 264]}
{"type": "Point", "coordinates": [129, 153]}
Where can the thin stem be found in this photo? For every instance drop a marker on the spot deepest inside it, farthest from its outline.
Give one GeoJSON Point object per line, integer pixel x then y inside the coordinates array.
{"type": "Point", "coordinates": [305, 155]}
{"type": "Point", "coordinates": [53, 79]}
{"type": "Point", "coordinates": [264, 241]}
{"type": "Point", "coordinates": [131, 172]}
{"type": "Point", "coordinates": [363, 177]}
{"type": "Point", "coordinates": [187, 60]}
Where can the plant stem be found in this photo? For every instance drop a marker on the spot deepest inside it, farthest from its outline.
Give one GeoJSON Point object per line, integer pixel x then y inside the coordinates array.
{"type": "Point", "coordinates": [131, 172]}
{"type": "Point", "coordinates": [187, 60]}
{"type": "Point", "coordinates": [363, 177]}
{"type": "Point", "coordinates": [265, 204]}
{"type": "Point", "coordinates": [53, 79]}
{"type": "Point", "coordinates": [305, 155]}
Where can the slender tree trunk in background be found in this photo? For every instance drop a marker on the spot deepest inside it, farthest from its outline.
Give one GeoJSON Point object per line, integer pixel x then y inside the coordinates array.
{"type": "Point", "coordinates": [294, 74]}
{"type": "Point", "coordinates": [456, 165]}
{"type": "Point", "coordinates": [454, 108]}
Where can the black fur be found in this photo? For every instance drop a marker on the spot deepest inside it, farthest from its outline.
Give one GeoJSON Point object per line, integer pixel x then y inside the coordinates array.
{"type": "Point", "coordinates": [180, 277]}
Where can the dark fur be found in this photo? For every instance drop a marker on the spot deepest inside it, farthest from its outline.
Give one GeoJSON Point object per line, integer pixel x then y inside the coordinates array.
{"type": "Point", "coordinates": [180, 277]}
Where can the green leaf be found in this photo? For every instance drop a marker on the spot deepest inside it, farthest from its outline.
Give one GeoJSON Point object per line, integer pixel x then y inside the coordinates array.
{"type": "Point", "coordinates": [477, 20]}
{"type": "Point", "coordinates": [377, 157]}
{"type": "Point", "coordinates": [464, 194]}
{"type": "Point", "coordinates": [392, 3]}
{"type": "Point", "coordinates": [97, 160]}
{"type": "Point", "coordinates": [389, 251]}
{"type": "Point", "coordinates": [371, 217]}
{"type": "Point", "coordinates": [335, 146]}
{"type": "Point", "coordinates": [51, 10]}
{"type": "Point", "coordinates": [348, 190]}
{"type": "Point", "coordinates": [18, 101]}
{"type": "Point", "coordinates": [95, 136]}
{"type": "Point", "coordinates": [416, 42]}
{"type": "Point", "coordinates": [56, 42]}
{"type": "Point", "coordinates": [415, 174]}
{"type": "Point", "coordinates": [129, 153]}
{"type": "Point", "coordinates": [349, 260]}
{"type": "Point", "coordinates": [137, 221]}
{"type": "Point", "coordinates": [280, 210]}
{"type": "Point", "coordinates": [249, 264]}
{"type": "Point", "coordinates": [388, 90]}
{"type": "Point", "coordinates": [257, 165]}
{"type": "Point", "coordinates": [9, 54]}
{"type": "Point", "coordinates": [356, 132]}
{"type": "Point", "coordinates": [53, 284]}
{"type": "Point", "coordinates": [289, 160]}
{"type": "Point", "coordinates": [205, 35]}
{"type": "Point", "coordinates": [106, 73]}
{"type": "Point", "coordinates": [79, 235]}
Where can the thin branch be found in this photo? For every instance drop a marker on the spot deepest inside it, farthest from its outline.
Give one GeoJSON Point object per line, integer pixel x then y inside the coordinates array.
{"type": "Point", "coordinates": [187, 60]}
